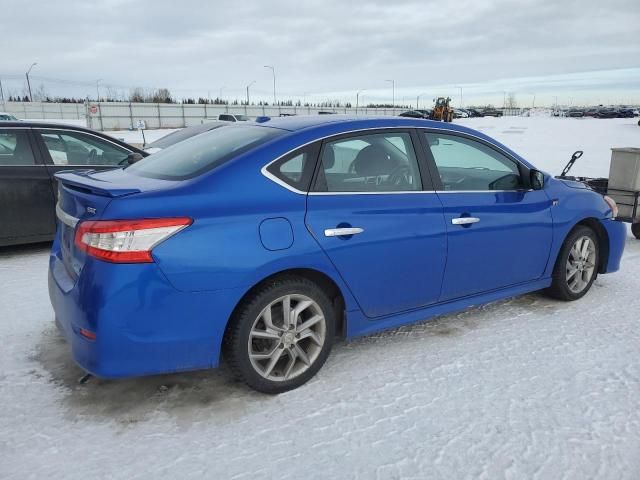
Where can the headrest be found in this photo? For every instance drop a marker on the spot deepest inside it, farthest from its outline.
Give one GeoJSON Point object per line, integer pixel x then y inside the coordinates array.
{"type": "Point", "coordinates": [372, 161]}
{"type": "Point", "coordinates": [328, 158]}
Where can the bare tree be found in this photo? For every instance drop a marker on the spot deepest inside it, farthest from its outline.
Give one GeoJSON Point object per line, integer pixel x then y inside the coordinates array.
{"type": "Point", "coordinates": [511, 101]}
{"type": "Point", "coordinates": [161, 95]}
{"type": "Point", "coordinates": [136, 95]}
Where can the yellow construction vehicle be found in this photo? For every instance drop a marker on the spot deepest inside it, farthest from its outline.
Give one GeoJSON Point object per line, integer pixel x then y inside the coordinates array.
{"type": "Point", "coordinates": [442, 111]}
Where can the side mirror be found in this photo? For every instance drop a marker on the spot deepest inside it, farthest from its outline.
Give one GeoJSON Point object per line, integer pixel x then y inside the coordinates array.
{"type": "Point", "coordinates": [536, 179]}
{"type": "Point", "coordinates": [134, 157]}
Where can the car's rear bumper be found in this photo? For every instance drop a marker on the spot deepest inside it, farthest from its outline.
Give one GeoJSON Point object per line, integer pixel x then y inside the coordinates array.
{"type": "Point", "coordinates": [142, 324]}
{"type": "Point", "coordinates": [617, 232]}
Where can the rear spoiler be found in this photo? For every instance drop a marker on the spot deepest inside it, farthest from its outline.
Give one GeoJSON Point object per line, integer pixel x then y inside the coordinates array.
{"type": "Point", "coordinates": [82, 180]}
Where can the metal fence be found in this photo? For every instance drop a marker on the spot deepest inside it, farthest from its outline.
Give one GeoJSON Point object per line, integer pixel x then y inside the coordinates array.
{"type": "Point", "coordinates": [124, 115]}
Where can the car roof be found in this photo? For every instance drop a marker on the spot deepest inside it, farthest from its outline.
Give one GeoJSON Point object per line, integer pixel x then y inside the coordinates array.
{"type": "Point", "coordinates": [303, 122]}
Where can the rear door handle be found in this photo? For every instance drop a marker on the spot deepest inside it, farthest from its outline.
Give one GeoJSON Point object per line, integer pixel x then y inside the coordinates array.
{"type": "Point", "coordinates": [464, 220]}
{"type": "Point", "coordinates": [342, 232]}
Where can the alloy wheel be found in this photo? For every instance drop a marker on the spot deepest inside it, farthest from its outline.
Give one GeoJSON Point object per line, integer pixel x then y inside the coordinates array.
{"type": "Point", "coordinates": [287, 337]}
{"type": "Point", "coordinates": [581, 264]}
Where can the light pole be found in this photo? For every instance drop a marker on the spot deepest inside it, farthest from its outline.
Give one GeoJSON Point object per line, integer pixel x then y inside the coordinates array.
{"type": "Point", "coordinates": [358, 99]}
{"type": "Point", "coordinates": [418, 100]}
{"type": "Point", "coordinates": [29, 83]}
{"type": "Point", "coordinates": [248, 91]}
{"type": "Point", "coordinates": [504, 99]}
{"type": "Point", "coordinates": [393, 93]}
{"type": "Point", "coordinates": [98, 89]}
{"type": "Point", "coordinates": [220, 93]}
{"type": "Point", "coordinates": [458, 86]}
{"type": "Point", "coordinates": [273, 71]}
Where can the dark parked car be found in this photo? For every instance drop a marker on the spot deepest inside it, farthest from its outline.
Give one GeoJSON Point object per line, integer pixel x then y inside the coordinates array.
{"type": "Point", "coordinates": [492, 112]}
{"type": "Point", "coordinates": [415, 114]}
{"type": "Point", "coordinates": [474, 112]}
{"type": "Point", "coordinates": [30, 154]}
{"type": "Point", "coordinates": [607, 113]}
{"type": "Point", "coordinates": [574, 113]}
{"type": "Point", "coordinates": [182, 134]}
{"type": "Point", "coordinates": [590, 112]}
{"type": "Point", "coordinates": [625, 113]}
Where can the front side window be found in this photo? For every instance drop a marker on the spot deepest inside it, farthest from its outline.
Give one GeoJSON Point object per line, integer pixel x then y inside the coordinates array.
{"type": "Point", "coordinates": [203, 152]}
{"type": "Point", "coordinates": [15, 148]}
{"type": "Point", "coordinates": [465, 164]}
{"type": "Point", "coordinates": [382, 162]}
{"type": "Point", "coordinates": [76, 148]}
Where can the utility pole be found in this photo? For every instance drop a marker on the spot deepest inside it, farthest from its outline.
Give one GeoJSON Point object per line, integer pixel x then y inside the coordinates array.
{"type": "Point", "coordinates": [248, 91]}
{"type": "Point", "coordinates": [29, 83]}
{"type": "Point", "coordinates": [1, 92]}
{"type": "Point", "coordinates": [98, 89]}
{"type": "Point", "coordinates": [393, 93]}
{"type": "Point", "coordinates": [504, 99]}
{"type": "Point", "coordinates": [220, 93]}
{"type": "Point", "coordinates": [273, 71]}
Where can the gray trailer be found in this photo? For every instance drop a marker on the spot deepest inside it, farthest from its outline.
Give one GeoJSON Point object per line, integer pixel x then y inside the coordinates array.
{"type": "Point", "coordinates": [623, 184]}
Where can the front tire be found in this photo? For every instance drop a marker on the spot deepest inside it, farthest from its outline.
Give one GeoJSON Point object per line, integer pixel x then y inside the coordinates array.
{"type": "Point", "coordinates": [281, 335]}
{"type": "Point", "coordinates": [577, 265]}
{"type": "Point", "coordinates": [635, 229]}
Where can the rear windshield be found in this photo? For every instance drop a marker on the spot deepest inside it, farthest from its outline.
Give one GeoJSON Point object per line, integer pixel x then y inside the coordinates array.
{"type": "Point", "coordinates": [203, 152]}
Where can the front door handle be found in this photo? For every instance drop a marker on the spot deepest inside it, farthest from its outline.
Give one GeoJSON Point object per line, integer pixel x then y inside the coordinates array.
{"type": "Point", "coordinates": [465, 220]}
{"type": "Point", "coordinates": [342, 232]}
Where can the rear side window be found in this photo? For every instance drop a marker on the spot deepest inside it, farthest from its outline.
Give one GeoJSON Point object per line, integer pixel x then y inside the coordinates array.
{"type": "Point", "coordinates": [203, 152]}
{"type": "Point", "coordinates": [296, 169]}
{"type": "Point", "coordinates": [15, 148]}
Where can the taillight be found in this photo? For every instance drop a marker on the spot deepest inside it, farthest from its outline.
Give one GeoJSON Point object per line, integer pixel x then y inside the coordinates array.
{"type": "Point", "coordinates": [126, 241]}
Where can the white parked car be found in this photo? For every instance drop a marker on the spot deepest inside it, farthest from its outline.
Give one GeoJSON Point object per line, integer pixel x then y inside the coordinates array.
{"type": "Point", "coordinates": [7, 117]}
{"type": "Point", "coordinates": [233, 117]}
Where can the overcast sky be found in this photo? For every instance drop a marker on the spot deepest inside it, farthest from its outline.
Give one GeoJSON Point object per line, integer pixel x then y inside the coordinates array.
{"type": "Point", "coordinates": [587, 50]}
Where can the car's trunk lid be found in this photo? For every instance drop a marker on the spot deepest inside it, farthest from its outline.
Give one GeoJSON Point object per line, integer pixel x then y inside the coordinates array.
{"type": "Point", "coordinates": [84, 195]}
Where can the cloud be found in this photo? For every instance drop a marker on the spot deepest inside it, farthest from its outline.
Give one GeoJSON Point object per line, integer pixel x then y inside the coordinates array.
{"type": "Point", "coordinates": [318, 47]}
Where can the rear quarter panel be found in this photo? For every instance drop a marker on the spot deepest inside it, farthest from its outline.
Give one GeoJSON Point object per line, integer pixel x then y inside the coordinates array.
{"type": "Point", "coordinates": [223, 248]}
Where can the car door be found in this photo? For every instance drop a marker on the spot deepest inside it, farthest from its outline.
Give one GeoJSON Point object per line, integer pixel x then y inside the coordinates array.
{"type": "Point", "coordinates": [376, 217]}
{"type": "Point", "coordinates": [26, 197]}
{"type": "Point", "coordinates": [499, 230]}
{"type": "Point", "coordinates": [67, 149]}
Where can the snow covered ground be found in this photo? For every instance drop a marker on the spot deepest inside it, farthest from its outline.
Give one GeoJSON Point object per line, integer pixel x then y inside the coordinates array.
{"type": "Point", "coordinates": [523, 388]}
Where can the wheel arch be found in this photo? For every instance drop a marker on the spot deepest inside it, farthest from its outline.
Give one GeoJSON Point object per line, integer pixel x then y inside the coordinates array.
{"type": "Point", "coordinates": [322, 279]}
{"type": "Point", "coordinates": [603, 240]}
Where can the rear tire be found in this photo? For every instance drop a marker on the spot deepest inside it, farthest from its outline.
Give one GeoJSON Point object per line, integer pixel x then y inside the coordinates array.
{"type": "Point", "coordinates": [273, 352]}
{"type": "Point", "coordinates": [577, 265]}
{"type": "Point", "coordinates": [635, 229]}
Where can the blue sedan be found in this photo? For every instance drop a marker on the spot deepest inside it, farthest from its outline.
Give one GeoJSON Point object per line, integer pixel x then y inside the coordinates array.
{"type": "Point", "coordinates": [262, 243]}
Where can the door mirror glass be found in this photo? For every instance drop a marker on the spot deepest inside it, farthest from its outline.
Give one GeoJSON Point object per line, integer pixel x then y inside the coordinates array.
{"type": "Point", "coordinates": [134, 157]}
{"type": "Point", "coordinates": [537, 179]}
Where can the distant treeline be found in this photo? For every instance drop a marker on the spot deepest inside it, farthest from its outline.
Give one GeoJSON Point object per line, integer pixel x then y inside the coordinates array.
{"type": "Point", "coordinates": [163, 95]}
